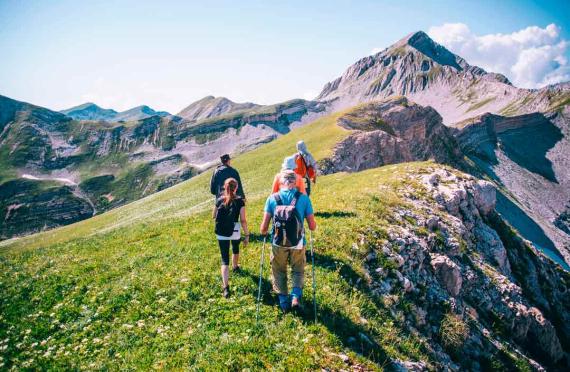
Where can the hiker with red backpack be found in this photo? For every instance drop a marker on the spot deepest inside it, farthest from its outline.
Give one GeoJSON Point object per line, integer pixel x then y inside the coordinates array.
{"type": "Point", "coordinates": [305, 165]}
{"type": "Point", "coordinates": [288, 208]}
{"type": "Point", "coordinates": [229, 214]}
{"type": "Point", "coordinates": [288, 164]}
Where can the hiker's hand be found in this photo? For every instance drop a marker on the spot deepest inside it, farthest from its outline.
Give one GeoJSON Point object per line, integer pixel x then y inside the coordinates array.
{"type": "Point", "coordinates": [245, 241]}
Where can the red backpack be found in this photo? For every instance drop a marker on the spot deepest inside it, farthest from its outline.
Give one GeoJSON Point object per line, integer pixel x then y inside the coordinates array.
{"type": "Point", "coordinates": [303, 169]}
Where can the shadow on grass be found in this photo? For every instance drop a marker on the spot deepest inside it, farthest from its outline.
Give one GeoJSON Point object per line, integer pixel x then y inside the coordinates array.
{"type": "Point", "coordinates": [353, 336]}
{"type": "Point", "coordinates": [340, 214]}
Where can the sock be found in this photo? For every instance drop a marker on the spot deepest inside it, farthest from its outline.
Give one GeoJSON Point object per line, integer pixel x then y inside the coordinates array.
{"type": "Point", "coordinates": [297, 292]}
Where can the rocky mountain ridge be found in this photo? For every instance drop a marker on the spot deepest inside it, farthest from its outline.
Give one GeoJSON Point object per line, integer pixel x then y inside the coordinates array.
{"type": "Point", "coordinates": [430, 75]}
{"type": "Point", "coordinates": [90, 111]}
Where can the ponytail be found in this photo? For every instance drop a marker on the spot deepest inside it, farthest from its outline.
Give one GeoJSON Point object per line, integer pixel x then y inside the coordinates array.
{"type": "Point", "coordinates": [230, 188]}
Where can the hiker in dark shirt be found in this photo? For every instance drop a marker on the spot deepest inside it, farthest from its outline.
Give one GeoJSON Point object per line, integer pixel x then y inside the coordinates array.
{"type": "Point", "coordinates": [221, 174]}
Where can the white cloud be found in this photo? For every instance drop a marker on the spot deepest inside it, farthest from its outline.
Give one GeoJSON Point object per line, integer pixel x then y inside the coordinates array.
{"type": "Point", "coordinates": [531, 58]}
{"type": "Point", "coordinates": [376, 50]}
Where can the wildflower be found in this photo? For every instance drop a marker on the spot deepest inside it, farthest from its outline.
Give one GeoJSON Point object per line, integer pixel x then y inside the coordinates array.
{"type": "Point", "coordinates": [28, 331]}
{"type": "Point", "coordinates": [127, 326]}
{"type": "Point", "coordinates": [43, 342]}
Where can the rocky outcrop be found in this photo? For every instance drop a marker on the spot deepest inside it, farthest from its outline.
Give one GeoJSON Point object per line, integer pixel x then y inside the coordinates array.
{"type": "Point", "coordinates": [448, 263]}
{"type": "Point", "coordinates": [388, 132]}
{"type": "Point", "coordinates": [528, 155]}
{"type": "Point", "coordinates": [31, 206]}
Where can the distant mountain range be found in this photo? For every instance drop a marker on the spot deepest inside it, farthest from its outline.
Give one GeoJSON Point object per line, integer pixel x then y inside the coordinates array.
{"type": "Point", "coordinates": [519, 138]}
{"type": "Point", "coordinates": [90, 111]}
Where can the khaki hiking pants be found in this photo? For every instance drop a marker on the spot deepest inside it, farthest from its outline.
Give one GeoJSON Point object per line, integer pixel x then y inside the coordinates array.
{"type": "Point", "coordinates": [279, 258]}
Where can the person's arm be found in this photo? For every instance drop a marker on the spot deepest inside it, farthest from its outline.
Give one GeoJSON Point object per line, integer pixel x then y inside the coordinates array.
{"type": "Point", "coordinates": [243, 221]}
{"type": "Point", "coordinates": [214, 183]}
{"type": "Point", "coordinates": [275, 187]}
{"type": "Point", "coordinates": [311, 222]}
{"type": "Point", "coordinates": [265, 223]}
{"type": "Point", "coordinates": [214, 212]}
{"type": "Point", "coordinates": [240, 190]}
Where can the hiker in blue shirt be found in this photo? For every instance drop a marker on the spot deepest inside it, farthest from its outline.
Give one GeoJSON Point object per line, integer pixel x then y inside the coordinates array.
{"type": "Point", "coordinates": [288, 208]}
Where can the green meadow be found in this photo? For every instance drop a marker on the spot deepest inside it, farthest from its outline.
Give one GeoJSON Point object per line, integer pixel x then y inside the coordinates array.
{"type": "Point", "coordinates": [138, 287]}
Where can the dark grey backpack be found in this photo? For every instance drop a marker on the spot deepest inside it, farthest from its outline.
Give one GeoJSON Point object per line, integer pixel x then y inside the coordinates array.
{"type": "Point", "coordinates": [288, 227]}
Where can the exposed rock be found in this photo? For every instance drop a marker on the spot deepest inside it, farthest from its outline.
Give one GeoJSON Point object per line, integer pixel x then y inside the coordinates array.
{"type": "Point", "coordinates": [448, 273]}
{"type": "Point", "coordinates": [388, 132]}
{"type": "Point", "coordinates": [473, 270]}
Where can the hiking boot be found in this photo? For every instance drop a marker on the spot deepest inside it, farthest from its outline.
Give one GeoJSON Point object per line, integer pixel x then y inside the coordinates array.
{"type": "Point", "coordinates": [237, 270]}
{"type": "Point", "coordinates": [296, 307]}
{"type": "Point", "coordinates": [226, 292]}
{"type": "Point", "coordinates": [284, 308]}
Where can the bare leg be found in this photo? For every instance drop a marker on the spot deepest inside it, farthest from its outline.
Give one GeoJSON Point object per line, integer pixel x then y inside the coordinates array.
{"type": "Point", "coordinates": [235, 260]}
{"type": "Point", "coordinates": [225, 275]}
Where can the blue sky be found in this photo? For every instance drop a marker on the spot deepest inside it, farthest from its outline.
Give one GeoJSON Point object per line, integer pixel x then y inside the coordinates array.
{"type": "Point", "coordinates": [168, 54]}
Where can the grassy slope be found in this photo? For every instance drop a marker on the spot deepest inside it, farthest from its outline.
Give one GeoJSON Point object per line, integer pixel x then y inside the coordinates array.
{"type": "Point", "coordinates": [139, 285]}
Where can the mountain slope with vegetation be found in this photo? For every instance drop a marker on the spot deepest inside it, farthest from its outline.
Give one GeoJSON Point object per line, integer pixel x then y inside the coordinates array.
{"type": "Point", "coordinates": [104, 164]}
{"type": "Point", "coordinates": [138, 286]}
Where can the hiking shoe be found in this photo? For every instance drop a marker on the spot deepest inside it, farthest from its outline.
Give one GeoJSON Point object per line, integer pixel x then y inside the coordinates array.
{"type": "Point", "coordinates": [284, 308]}
{"type": "Point", "coordinates": [237, 270]}
{"type": "Point", "coordinates": [226, 292]}
{"type": "Point", "coordinates": [296, 307]}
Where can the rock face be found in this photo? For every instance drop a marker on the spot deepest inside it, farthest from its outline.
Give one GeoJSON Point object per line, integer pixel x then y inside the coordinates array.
{"type": "Point", "coordinates": [448, 274]}
{"type": "Point", "coordinates": [388, 132]}
{"type": "Point", "coordinates": [31, 206]}
{"type": "Point", "coordinates": [210, 106]}
{"type": "Point", "coordinates": [427, 73]}
{"type": "Point", "coordinates": [529, 156]}
{"type": "Point", "coordinates": [472, 285]}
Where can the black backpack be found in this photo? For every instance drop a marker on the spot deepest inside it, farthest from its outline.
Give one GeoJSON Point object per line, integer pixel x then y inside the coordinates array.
{"type": "Point", "coordinates": [288, 227]}
{"type": "Point", "coordinates": [225, 218]}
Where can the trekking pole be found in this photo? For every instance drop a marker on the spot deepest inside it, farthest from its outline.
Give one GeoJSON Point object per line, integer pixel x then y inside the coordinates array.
{"type": "Point", "coordinates": [260, 277]}
{"type": "Point", "coordinates": [314, 282]}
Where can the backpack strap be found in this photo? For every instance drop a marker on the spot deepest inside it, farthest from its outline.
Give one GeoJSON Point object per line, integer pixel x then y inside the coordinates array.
{"type": "Point", "coordinates": [295, 198]}
{"type": "Point", "coordinates": [277, 198]}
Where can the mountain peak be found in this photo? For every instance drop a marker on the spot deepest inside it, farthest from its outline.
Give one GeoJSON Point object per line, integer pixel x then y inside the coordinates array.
{"type": "Point", "coordinates": [211, 106]}
{"type": "Point", "coordinates": [424, 44]}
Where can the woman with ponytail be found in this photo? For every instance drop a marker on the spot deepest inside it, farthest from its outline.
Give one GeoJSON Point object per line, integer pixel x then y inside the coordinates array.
{"type": "Point", "coordinates": [229, 214]}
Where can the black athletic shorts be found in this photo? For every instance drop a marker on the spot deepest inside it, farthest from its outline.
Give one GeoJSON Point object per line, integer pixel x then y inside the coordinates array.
{"type": "Point", "coordinates": [225, 249]}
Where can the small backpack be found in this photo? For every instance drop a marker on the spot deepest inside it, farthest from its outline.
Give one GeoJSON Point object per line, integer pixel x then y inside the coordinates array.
{"type": "Point", "coordinates": [225, 221]}
{"type": "Point", "coordinates": [288, 228]}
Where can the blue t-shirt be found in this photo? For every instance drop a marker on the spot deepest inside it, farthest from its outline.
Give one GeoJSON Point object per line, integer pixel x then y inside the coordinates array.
{"type": "Point", "coordinates": [303, 206]}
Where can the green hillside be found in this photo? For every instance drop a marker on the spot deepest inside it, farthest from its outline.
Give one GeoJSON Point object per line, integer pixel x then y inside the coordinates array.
{"type": "Point", "coordinates": [139, 286]}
